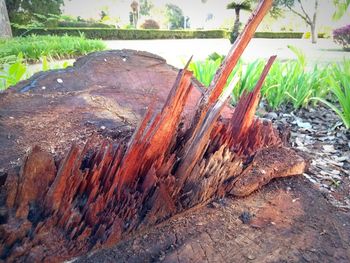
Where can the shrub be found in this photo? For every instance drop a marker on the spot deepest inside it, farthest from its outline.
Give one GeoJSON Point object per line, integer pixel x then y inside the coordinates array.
{"type": "Point", "coordinates": [278, 34]}
{"type": "Point", "coordinates": [83, 24]}
{"type": "Point", "coordinates": [341, 36]}
{"type": "Point", "coordinates": [126, 34]}
{"type": "Point", "coordinates": [111, 33]}
{"type": "Point", "coordinates": [150, 24]}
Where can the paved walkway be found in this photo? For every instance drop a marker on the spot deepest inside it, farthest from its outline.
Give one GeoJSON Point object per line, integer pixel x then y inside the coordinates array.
{"type": "Point", "coordinates": [177, 51]}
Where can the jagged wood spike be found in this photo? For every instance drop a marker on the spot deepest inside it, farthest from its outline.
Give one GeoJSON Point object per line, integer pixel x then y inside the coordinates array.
{"type": "Point", "coordinates": [219, 81]}
{"type": "Point", "coordinates": [236, 51]}
{"type": "Point", "coordinates": [244, 113]}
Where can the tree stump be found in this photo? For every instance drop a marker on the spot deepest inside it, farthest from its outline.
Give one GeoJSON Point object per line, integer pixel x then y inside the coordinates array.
{"type": "Point", "coordinates": [121, 142]}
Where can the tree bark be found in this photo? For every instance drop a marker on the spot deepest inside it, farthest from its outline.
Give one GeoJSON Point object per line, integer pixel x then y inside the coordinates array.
{"type": "Point", "coordinates": [235, 30]}
{"type": "Point", "coordinates": [194, 149]}
{"type": "Point", "coordinates": [313, 24]}
{"type": "Point", "coordinates": [304, 15]}
{"type": "Point", "coordinates": [313, 33]}
{"type": "Point", "coordinates": [5, 28]}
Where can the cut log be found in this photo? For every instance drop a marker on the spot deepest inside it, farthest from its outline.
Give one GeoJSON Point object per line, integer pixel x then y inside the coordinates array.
{"type": "Point", "coordinates": [178, 157]}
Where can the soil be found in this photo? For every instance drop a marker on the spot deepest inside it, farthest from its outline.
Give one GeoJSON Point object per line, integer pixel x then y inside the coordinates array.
{"type": "Point", "coordinates": [319, 134]}
{"type": "Point", "coordinates": [290, 220]}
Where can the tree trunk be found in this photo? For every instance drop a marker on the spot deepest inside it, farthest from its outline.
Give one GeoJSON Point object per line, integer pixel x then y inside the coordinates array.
{"type": "Point", "coordinates": [194, 149]}
{"type": "Point", "coordinates": [313, 33]}
{"type": "Point", "coordinates": [135, 18]}
{"type": "Point", "coordinates": [5, 28]}
{"type": "Point", "coordinates": [235, 30]}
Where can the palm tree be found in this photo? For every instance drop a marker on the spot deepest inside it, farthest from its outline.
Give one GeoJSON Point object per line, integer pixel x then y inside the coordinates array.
{"type": "Point", "coordinates": [238, 6]}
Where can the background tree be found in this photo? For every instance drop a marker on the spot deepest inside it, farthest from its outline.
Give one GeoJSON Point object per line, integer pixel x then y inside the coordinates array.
{"type": "Point", "coordinates": [342, 6]}
{"type": "Point", "coordinates": [175, 16]}
{"type": "Point", "coordinates": [22, 11]}
{"type": "Point", "coordinates": [309, 19]}
{"type": "Point", "coordinates": [135, 12]}
{"type": "Point", "coordinates": [145, 7]}
{"type": "Point", "coordinates": [5, 28]}
{"type": "Point", "coordinates": [238, 6]}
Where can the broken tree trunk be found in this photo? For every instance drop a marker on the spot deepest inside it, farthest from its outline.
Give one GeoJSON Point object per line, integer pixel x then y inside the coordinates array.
{"type": "Point", "coordinates": [100, 193]}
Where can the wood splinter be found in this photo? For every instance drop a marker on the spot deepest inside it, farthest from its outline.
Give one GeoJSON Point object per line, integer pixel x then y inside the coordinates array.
{"type": "Point", "coordinates": [98, 195]}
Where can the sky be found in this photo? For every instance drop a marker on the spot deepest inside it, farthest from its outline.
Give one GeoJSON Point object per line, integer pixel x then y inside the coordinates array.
{"type": "Point", "coordinates": [197, 11]}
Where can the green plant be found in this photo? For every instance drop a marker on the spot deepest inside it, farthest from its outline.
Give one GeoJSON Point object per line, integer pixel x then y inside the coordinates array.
{"type": "Point", "coordinates": [215, 56]}
{"type": "Point", "coordinates": [342, 6]}
{"type": "Point", "coordinates": [23, 11]}
{"type": "Point", "coordinates": [174, 16]}
{"type": "Point", "coordinates": [12, 73]}
{"type": "Point", "coordinates": [339, 85]}
{"type": "Point", "coordinates": [290, 82]}
{"type": "Point", "coordinates": [278, 34]}
{"type": "Point", "coordinates": [111, 33]}
{"type": "Point", "coordinates": [204, 70]}
{"type": "Point", "coordinates": [34, 47]}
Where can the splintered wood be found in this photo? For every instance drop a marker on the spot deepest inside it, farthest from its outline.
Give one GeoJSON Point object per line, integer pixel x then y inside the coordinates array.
{"type": "Point", "coordinates": [98, 195]}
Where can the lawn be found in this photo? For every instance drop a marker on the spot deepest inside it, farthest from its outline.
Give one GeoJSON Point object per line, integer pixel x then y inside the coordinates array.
{"type": "Point", "coordinates": [35, 47]}
{"type": "Point", "coordinates": [17, 53]}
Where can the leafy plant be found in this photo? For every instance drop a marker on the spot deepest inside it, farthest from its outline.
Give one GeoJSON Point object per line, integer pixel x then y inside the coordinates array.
{"type": "Point", "coordinates": [10, 74]}
{"type": "Point", "coordinates": [215, 56]}
{"type": "Point", "coordinates": [339, 85]}
{"type": "Point", "coordinates": [14, 71]}
{"type": "Point", "coordinates": [291, 82]}
{"type": "Point", "coordinates": [342, 36]}
{"type": "Point", "coordinates": [204, 71]}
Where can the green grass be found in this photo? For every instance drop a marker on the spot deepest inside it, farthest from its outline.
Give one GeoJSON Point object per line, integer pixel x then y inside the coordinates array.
{"type": "Point", "coordinates": [289, 82]}
{"type": "Point", "coordinates": [54, 47]}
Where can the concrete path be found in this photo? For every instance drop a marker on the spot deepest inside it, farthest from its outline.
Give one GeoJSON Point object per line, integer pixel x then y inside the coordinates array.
{"type": "Point", "coordinates": [177, 51]}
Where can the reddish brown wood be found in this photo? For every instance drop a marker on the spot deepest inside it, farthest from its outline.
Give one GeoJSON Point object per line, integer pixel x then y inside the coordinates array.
{"type": "Point", "coordinates": [243, 116]}
{"type": "Point", "coordinates": [237, 49]}
{"type": "Point", "coordinates": [105, 191]}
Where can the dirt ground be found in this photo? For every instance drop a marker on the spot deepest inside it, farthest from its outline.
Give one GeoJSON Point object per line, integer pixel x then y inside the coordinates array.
{"type": "Point", "coordinates": [318, 133]}
{"type": "Point", "coordinates": [287, 221]}
{"type": "Point", "coordinates": [290, 220]}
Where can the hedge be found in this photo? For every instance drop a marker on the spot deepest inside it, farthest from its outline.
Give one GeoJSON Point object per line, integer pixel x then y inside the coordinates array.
{"type": "Point", "coordinates": [125, 34]}
{"type": "Point", "coordinates": [83, 24]}
{"type": "Point", "coordinates": [278, 34]}
{"type": "Point", "coordinates": [307, 35]}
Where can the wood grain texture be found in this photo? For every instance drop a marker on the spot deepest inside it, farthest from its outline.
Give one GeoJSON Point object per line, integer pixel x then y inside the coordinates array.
{"type": "Point", "coordinates": [177, 158]}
